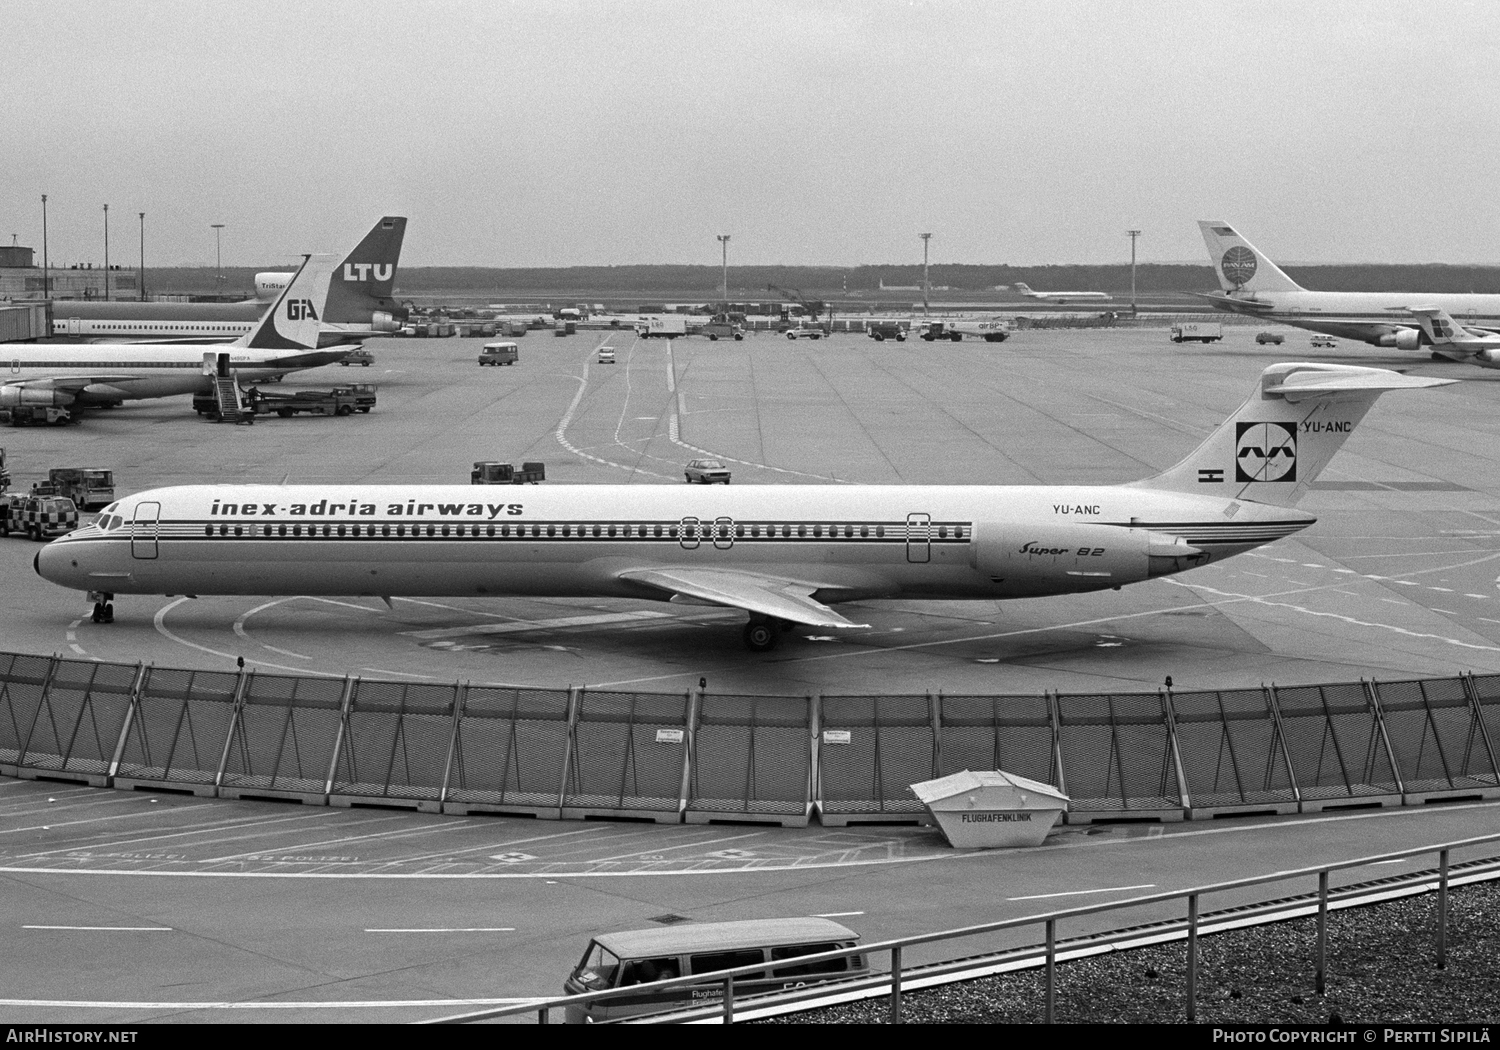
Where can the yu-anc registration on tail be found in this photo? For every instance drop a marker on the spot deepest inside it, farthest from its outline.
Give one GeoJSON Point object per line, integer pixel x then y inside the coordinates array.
{"type": "Point", "coordinates": [784, 554]}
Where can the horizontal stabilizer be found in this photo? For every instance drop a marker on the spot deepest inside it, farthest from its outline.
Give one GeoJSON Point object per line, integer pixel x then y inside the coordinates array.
{"type": "Point", "coordinates": [1311, 381]}
{"type": "Point", "coordinates": [765, 595]}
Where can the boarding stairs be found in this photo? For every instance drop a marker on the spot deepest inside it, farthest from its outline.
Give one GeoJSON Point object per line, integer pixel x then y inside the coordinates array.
{"type": "Point", "coordinates": [227, 398]}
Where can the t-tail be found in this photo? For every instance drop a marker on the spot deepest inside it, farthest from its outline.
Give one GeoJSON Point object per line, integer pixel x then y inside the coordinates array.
{"type": "Point", "coordinates": [1240, 267]}
{"type": "Point", "coordinates": [1278, 442]}
{"type": "Point", "coordinates": [366, 278]}
{"type": "Point", "coordinates": [292, 321]}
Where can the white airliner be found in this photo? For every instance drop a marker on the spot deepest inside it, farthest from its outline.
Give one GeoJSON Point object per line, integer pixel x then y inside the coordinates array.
{"type": "Point", "coordinates": [1252, 284]}
{"type": "Point", "coordinates": [781, 553]}
{"type": "Point", "coordinates": [80, 374]}
{"type": "Point", "coordinates": [360, 303]}
{"type": "Point", "coordinates": [1060, 297]}
{"type": "Point", "coordinates": [1451, 339]}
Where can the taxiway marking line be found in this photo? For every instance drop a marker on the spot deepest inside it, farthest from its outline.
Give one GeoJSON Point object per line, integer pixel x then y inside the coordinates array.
{"type": "Point", "coordinates": [105, 929]}
{"type": "Point", "coordinates": [448, 929]}
{"type": "Point", "coordinates": [366, 1004]}
{"type": "Point", "coordinates": [399, 674]}
{"type": "Point", "coordinates": [303, 847]}
{"type": "Point", "coordinates": [161, 627]}
{"type": "Point", "coordinates": [533, 625]}
{"type": "Point", "coordinates": [685, 845]}
{"type": "Point", "coordinates": [453, 853]}
{"type": "Point", "coordinates": [836, 914]}
{"type": "Point", "coordinates": [164, 834]}
{"type": "Point", "coordinates": [1082, 893]}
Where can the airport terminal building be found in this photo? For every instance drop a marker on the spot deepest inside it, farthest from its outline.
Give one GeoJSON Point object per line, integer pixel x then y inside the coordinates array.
{"type": "Point", "coordinates": [22, 278]}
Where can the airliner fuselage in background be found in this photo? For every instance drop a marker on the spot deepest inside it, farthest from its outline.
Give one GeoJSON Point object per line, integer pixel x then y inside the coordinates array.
{"type": "Point", "coordinates": [76, 374]}
{"type": "Point", "coordinates": [781, 553]}
{"type": "Point", "coordinates": [360, 304]}
{"type": "Point", "coordinates": [1252, 284]}
{"type": "Point", "coordinates": [1061, 297]}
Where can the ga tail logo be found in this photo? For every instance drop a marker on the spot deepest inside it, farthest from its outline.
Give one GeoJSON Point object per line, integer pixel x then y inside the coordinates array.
{"type": "Point", "coordinates": [362, 272]}
{"type": "Point", "coordinates": [1238, 265]}
{"type": "Point", "coordinates": [1265, 452]}
{"type": "Point", "coordinates": [300, 310]}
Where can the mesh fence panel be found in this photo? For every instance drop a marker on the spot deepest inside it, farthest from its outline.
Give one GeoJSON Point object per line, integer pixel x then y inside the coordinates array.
{"type": "Point", "coordinates": [83, 713]}
{"type": "Point", "coordinates": [1116, 752]}
{"type": "Point", "coordinates": [510, 748]}
{"type": "Point", "coordinates": [396, 744]}
{"type": "Point", "coordinates": [1333, 742]}
{"type": "Point", "coordinates": [752, 754]}
{"type": "Point", "coordinates": [284, 738]}
{"type": "Point", "coordinates": [890, 747]}
{"type": "Point", "coordinates": [1230, 750]}
{"type": "Point", "coordinates": [22, 680]}
{"type": "Point", "coordinates": [618, 761]}
{"type": "Point", "coordinates": [1487, 696]}
{"type": "Point", "coordinates": [181, 721]}
{"type": "Point", "coordinates": [1433, 732]}
{"type": "Point", "coordinates": [1010, 733]}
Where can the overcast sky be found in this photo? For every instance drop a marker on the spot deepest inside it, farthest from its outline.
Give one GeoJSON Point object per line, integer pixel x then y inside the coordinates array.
{"type": "Point", "coordinates": [609, 132]}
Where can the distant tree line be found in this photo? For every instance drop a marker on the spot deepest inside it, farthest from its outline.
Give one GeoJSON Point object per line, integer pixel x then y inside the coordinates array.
{"type": "Point", "coordinates": [833, 282]}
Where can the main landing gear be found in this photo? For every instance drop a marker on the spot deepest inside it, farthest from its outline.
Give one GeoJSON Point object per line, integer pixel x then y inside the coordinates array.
{"type": "Point", "coordinates": [104, 607]}
{"type": "Point", "coordinates": [763, 632]}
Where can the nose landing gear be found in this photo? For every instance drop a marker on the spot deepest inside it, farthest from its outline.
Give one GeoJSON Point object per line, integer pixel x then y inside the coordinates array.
{"type": "Point", "coordinates": [104, 607]}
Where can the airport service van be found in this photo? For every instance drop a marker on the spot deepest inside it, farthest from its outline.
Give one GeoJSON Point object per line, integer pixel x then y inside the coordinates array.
{"type": "Point", "coordinates": [86, 486]}
{"type": "Point", "coordinates": [642, 958]}
{"type": "Point", "coordinates": [661, 327]}
{"type": "Point", "coordinates": [499, 354]}
{"type": "Point", "coordinates": [1197, 332]}
{"type": "Point", "coordinates": [40, 517]}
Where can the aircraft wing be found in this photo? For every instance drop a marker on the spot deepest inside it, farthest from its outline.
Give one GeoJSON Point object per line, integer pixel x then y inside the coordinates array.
{"type": "Point", "coordinates": [71, 384]}
{"type": "Point", "coordinates": [765, 595]}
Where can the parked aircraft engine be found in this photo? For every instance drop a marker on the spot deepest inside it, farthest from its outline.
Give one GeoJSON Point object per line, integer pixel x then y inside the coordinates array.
{"type": "Point", "coordinates": [1077, 556]}
{"type": "Point", "coordinates": [1407, 339]}
{"type": "Point", "coordinates": [1487, 358]}
{"type": "Point", "coordinates": [268, 285]}
{"type": "Point", "coordinates": [380, 321]}
{"type": "Point", "coordinates": [18, 396]}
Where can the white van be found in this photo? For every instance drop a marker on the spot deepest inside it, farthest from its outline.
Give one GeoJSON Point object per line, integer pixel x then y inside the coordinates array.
{"type": "Point", "coordinates": [644, 957]}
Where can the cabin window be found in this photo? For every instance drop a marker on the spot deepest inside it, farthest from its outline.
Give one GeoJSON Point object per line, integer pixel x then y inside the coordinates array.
{"type": "Point", "coordinates": [551, 530]}
{"type": "Point", "coordinates": [490, 531]}
{"type": "Point", "coordinates": [880, 532]}
{"type": "Point", "coordinates": [445, 530]}
{"type": "Point", "coordinates": [598, 532]}
{"type": "Point", "coordinates": [281, 529]}
{"type": "Point", "coordinates": [208, 530]}
{"type": "Point", "coordinates": [239, 530]}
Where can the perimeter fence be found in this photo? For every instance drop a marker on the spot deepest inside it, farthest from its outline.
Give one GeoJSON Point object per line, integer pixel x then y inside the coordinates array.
{"type": "Point", "coordinates": [698, 756]}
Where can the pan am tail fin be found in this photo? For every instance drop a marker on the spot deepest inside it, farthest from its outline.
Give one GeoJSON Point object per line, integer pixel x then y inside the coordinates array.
{"type": "Point", "coordinates": [1239, 266]}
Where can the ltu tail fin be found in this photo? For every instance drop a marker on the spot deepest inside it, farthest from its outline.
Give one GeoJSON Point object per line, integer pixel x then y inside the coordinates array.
{"type": "Point", "coordinates": [1282, 437]}
{"type": "Point", "coordinates": [292, 321]}
{"type": "Point", "coordinates": [1239, 266]}
{"type": "Point", "coordinates": [366, 278]}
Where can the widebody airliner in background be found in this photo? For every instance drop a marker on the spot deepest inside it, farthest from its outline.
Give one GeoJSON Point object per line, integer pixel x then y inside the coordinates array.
{"type": "Point", "coordinates": [783, 554]}
{"type": "Point", "coordinates": [73, 375]}
{"type": "Point", "coordinates": [360, 304]}
{"type": "Point", "coordinates": [1061, 297]}
{"type": "Point", "coordinates": [1252, 284]}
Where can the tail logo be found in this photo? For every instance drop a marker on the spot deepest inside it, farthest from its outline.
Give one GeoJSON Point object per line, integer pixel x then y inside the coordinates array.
{"type": "Point", "coordinates": [1265, 452]}
{"type": "Point", "coordinates": [1238, 265]}
{"type": "Point", "coordinates": [363, 271]}
{"type": "Point", "coordinates": [300, 310]}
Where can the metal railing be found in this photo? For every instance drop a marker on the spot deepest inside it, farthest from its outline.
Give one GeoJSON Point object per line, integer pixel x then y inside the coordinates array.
{"type": "Point", "coordinates": [727, 1006]}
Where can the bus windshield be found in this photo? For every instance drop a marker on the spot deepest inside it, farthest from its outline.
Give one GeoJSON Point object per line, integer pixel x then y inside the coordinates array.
{"type": "Point", "coordinates": [598, 968]}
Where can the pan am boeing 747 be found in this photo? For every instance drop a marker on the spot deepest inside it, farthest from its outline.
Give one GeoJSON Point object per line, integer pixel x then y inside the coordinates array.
{"type": "Point", "coordinates": [783, 554]}
{"type": "Point", "coordinates": [1254, 285]}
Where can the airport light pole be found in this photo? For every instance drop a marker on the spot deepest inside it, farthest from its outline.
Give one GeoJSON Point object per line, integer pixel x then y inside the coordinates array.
{"type": "Point", "coordinates": [218, 259]}
{"type": "Point", "coordinates": [1133, 235]}
{"type": "Point", "coordinates": [926, 285]}
{"type": "Point", "coordinates": [724, 243]}
{"type": "Point", "coordinates": [106, 253]}
{"type": "Point", "coordinates": [46, 291]}
{"type": "Point", "coordinates": [143, 257]}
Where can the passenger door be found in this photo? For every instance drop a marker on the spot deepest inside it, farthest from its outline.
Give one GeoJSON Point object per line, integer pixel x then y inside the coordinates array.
{"type": "Point", "coordinates": [144, 528]}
